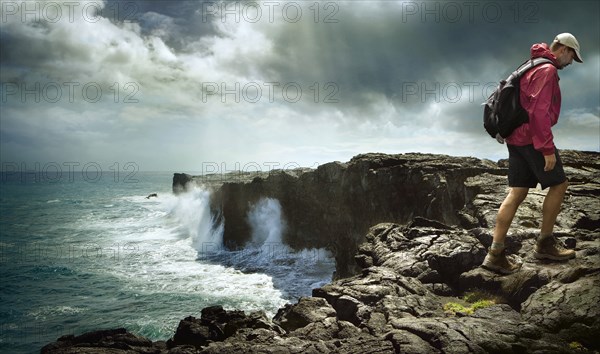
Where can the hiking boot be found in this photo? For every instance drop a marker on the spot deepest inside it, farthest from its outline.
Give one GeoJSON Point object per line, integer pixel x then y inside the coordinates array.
{"type": "Point", "coordinates": [551, 248]}
{"type": "Point", "coordinates": [500, 263]}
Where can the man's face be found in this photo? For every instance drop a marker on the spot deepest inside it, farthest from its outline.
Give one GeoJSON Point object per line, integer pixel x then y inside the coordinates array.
{"type": "Point", "coordinates": [565, 56]}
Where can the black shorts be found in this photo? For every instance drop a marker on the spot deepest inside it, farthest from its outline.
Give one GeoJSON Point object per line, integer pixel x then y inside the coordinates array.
{"type": "Point", "coordinates": [526, 168]}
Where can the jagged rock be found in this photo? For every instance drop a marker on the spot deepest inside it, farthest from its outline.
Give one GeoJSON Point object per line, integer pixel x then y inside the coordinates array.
{"type": "Point", "coordinates": [514, 288]}
{"type": "Point", "coordinates": [328, 329]}
{"type": "Point", "coordinates": [375, 301]}
{"type": "Point", "coordinates": [497, 329]}
{"type": "Point", "coordinates": [216, 325]}
{"type": "Point", "coordinates": [440, 289]}
{"type": "Point", "coordinates": [254, 320]}
{"type": "Point", "coordinates": [229, 322]}
{"type": "Point", "coordinates": [181, 181]}
{"type": "Point", "coordinates": [184, 349]}
{"type": "Point", "coordinates": [306, 311]}
{"type": "Point", "coordinates": [570, 309]}
{"type": "Point", "coordinates": [535, 274]}
{"type": "Point", "coordinates": [111, 341]}
{"type": "Point", "coordinates": [369, 300]}
{"type": "Point", "coordinates": [432, 255]}
{"type": "Point", "coordinates": [356, 345]}
{"type": "Point", "coordinates": [192, 331]}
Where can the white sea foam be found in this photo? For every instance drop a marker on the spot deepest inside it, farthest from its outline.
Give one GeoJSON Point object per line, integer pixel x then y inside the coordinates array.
{"type": "Point", "coordinates": [192, 212]}
{"type": "Point", "coordinates": [165, 255]}
{"type": "Point", "coordinates": [162, 256]}
{"type": "Point", "coordinates": [296, 273]}
{"type": "Point", "coordinates": [46, 312]}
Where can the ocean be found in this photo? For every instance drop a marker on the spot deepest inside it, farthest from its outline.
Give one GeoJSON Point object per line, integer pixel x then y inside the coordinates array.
{"type": "Point", "coordinates": [81, 253]}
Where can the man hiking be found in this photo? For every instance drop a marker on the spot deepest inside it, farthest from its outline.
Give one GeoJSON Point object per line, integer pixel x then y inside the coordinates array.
{"type": "Point", "coordinates": [533, 157]}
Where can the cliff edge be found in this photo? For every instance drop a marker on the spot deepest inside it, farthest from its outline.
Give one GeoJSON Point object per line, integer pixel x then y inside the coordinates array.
{"type": "Point", "coordinates": [334, 206]}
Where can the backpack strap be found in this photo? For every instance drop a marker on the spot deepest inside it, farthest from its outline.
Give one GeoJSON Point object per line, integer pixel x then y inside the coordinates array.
{"type": "Point", "coordinates": [530, 64]}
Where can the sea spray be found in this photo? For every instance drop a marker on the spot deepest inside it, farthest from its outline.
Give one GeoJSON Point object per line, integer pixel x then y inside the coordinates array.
{"type": "Point", "coordinates": [192, 211]}
{"type": "Point", "coordinates": [295, 272]}
{"type": "Point", "coordinates": [267, 222]}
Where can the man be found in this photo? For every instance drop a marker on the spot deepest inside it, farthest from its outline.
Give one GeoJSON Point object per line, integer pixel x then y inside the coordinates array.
{"type": "Point", "coordinates": [533, 157]}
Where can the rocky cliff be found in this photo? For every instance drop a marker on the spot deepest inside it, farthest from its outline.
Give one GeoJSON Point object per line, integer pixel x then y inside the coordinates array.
{"type": "Point", "coordinates": [335, 205]}
{"type": "Point", "coordinates": [409, 233]}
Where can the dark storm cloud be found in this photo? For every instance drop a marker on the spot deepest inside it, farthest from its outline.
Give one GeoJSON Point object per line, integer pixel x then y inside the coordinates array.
{"type": "Point", "coordinates": [178, 23]}
{"type": "Point", "coordinates": [416, 54]}
{"type": "Point", "coordinates": [387, 47]}
{"type": "Point", "coordinates": [406, 76]}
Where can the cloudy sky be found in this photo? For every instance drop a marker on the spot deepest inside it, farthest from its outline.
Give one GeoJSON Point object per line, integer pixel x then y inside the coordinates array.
{"type": "Point", "coordinates": [181, 85]}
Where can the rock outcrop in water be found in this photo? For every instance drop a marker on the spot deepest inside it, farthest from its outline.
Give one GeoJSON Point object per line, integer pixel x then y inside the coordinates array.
{"type": "Point", "coordinates": [409, 233]}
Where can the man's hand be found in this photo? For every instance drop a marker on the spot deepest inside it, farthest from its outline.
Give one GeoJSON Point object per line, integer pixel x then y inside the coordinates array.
{"type": "Point", "coordinates": [550, 162]}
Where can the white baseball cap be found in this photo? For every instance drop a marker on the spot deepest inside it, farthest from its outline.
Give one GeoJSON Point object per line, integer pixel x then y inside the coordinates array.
{"type": "Point", "coordinates": [570, 41]}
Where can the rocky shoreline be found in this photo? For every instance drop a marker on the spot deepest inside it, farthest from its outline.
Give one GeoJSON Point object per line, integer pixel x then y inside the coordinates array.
{"type": "Point", "coordinates": [409, 233]}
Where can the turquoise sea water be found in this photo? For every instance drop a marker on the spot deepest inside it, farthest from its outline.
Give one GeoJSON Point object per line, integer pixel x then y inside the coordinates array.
{"type": "Point", "coordinates": [79, 255]}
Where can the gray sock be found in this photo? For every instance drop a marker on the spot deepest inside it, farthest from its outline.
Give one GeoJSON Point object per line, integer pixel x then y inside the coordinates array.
{"type": "Point", "coordinates": [497, 247]}
{"type": "Point", "coordinates": [541, 238]}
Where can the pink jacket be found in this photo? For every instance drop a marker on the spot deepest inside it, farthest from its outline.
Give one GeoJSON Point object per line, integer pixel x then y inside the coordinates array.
{"type": "Point", "coordinates": [540, 96]}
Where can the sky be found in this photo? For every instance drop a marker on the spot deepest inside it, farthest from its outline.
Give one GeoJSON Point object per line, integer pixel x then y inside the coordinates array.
{"type": "Point", "coordinates": [209, 86]}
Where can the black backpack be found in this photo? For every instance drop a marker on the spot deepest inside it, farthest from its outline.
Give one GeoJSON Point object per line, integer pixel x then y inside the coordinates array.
{"type": "Point", "coordinates": [503, 113]}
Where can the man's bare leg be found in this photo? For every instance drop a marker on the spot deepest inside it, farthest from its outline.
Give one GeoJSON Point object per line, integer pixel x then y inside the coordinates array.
{"type": "Point", "coordinates": [547, 246]}
{"type": "Point", "coordinates": [551, 207]}
{"type": "Point", "coordinates": [496, 259]}
{"type": "Point", "coordinates": [506, 214]}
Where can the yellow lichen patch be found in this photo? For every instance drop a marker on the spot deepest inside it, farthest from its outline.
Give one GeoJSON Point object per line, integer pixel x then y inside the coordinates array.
{"type": "Point", "coordinates": [454, 308]}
